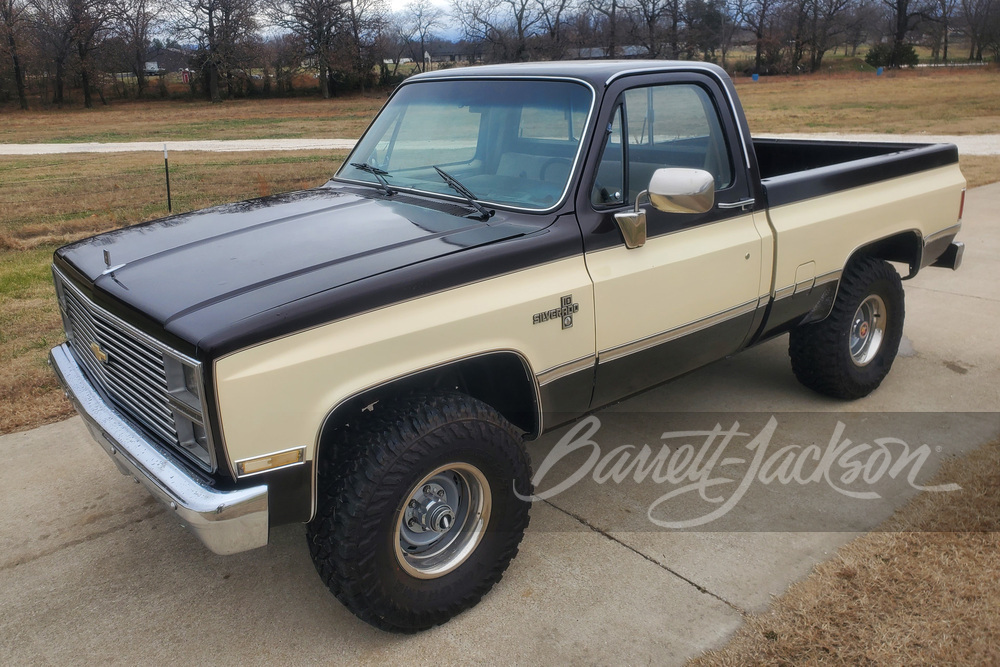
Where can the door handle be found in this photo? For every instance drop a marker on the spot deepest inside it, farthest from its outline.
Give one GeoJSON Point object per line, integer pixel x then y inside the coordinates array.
{"type": "Point", "coordinates": [743, 203]}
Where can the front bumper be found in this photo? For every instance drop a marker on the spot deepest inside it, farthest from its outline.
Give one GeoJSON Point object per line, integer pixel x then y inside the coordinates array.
{"type": "Point", "coordinates": [226, 521]}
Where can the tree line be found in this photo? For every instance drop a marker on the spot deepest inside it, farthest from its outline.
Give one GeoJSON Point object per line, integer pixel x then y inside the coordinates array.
{"type": "Point", "coordinates": [229, 48]}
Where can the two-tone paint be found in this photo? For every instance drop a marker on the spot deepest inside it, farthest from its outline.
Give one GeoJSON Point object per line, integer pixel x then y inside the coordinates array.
{"type": "Point", "coordinates": [306, 307]}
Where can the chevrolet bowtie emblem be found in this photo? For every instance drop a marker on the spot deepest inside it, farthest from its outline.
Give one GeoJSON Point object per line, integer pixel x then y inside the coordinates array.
{"type": "Point", "coordinates": [101, 355]}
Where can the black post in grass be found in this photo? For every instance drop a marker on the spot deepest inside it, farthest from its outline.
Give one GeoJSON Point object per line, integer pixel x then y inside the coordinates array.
{"type": "Point", "coordinates": [166, 168]}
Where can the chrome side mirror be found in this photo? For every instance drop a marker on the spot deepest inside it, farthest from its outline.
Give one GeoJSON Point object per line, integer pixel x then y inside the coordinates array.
{"type": "Point", "coordinates": [682, 190]}
{"type": "Point", "coordinates": [670, 191]}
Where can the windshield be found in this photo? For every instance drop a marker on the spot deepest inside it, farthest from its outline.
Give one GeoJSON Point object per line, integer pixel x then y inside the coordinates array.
{"type": "Point", "coordinates": [510, 142]}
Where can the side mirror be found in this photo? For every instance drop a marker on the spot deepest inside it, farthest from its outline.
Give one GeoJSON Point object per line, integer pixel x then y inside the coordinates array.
{"type": "Point", "coordinates": [670, 191]}
{"type": "Point", "coordinates": [682, 190]}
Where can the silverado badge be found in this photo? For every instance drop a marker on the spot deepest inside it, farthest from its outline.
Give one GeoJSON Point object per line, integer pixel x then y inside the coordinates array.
{"type": "Point", "coordinates": [101, 355]}
{"type": "Point", "coordinates": [564, 312]}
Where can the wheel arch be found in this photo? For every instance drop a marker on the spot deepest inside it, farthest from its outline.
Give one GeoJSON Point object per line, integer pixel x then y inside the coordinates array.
{"type": "Point", "coordinates": [502, 379]}
{"type": "Point", "coordinates": [905, 247]}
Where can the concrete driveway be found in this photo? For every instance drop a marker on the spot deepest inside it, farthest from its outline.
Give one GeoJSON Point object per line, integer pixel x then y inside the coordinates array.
{"type": "Point", "coordinates": [92, 570]}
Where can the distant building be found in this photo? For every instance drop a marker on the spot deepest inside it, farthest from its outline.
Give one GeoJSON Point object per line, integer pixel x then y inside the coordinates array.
{"type": "Point", "coordinates": [458, 52]}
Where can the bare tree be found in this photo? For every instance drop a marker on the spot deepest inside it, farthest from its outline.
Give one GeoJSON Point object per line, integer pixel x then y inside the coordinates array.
{"type": "Point", "coordinates": [645, 25]}
{"type": "Point", "coordinates": [903, 16]}
{"type": "Point", "coordinates": [418, 22]}
{"type": "Point", "coordinates": [91, 23]}
{"type": "Point", "coordinates": [705, 28]}
{"type": "Point", "coordinates": [979, 17]}
{"type": "Point", "coordinates": [756, 16]}
{"type": "Point", "coordinates": [134, 22]}
{"type": "Point", "coordinates": [811, 27]}
{"type": "Point", "coordinates": [858, 19]}
{"type": "Point", "coordinates": [363, 22]}
{"type": "Point", "coordinates": [220, 28]}
{"type": "Point", "coordinates": [238, 31]}
{"type": "Point", "coordinates": [13, 25]}
{"type": "Point", "coordinates": [390, 44]}
{"type": "Point", "coordinates": [991, 36]}
{"type": "Point", "coordinates": [503, 24]}
{"type": "Point", "coordinates": [284, 55]}
{"type": "Point", "coordinates": [555, 17]}
{"type": "Point", "coordinates": [315, 22]}
{"type": "Point", "coordinates": [609, 10]}
{"type": "Point", "coordinates": [53, 31]}
{"type": "Point", "coordinates": [941, 27]}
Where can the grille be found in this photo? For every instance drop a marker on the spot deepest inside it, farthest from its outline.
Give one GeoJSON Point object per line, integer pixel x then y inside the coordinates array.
{"type": "Point", "coordinates": [133, 374]}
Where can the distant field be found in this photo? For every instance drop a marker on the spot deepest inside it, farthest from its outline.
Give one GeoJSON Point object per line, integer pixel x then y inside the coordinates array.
{"type": "Point", "coordinates": [345, 117]}
{"type": "Point", "coordinates": [932, 101]}
{"type": "Point", "coordinates": [941, 101]}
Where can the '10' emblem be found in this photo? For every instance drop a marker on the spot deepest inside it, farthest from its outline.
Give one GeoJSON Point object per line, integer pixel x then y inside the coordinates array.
{"type": "Point", "coordinates": [564, 312]}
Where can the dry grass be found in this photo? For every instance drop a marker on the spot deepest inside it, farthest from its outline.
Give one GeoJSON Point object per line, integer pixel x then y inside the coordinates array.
{"type": "Point", "coordinates": [923, 590]}
{"type": "Point", "coordinates": [935, 101]}
{"type": "Point", "coordinates": [980, 169]}
{"type": "Point", "coordinates": [29, 326]}
{"type": "Point", "coordinates": [958, 101]}
{"type": "Point", "coordinates": [50, 200]}
{"type": "Point", "coordinates": [345, 117]}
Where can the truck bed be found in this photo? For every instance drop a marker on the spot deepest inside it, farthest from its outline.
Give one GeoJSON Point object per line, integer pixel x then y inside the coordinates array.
{"type": "Point", "coordinates": [795, 169]}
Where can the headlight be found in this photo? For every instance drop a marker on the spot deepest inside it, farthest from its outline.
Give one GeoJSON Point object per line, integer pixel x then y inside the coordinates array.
{"type": "Point", "coordinates": [184, 385]}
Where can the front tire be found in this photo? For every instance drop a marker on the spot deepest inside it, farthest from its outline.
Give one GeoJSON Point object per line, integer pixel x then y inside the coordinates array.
{"type": "Point", "coordinates": [848, 354]}
{"type": "Point", "coordinates": [418, 519]}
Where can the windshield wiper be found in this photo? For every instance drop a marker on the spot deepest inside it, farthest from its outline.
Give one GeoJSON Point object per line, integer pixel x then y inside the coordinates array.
{"type": "Point", "coordinates": [455, 185]}
{"type": "Point", "coordinates": [379, 175]}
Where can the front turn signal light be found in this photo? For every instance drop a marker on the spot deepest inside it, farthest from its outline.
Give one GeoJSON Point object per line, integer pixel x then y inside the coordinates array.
{"type": "Point", "coordinates": [270, 462]}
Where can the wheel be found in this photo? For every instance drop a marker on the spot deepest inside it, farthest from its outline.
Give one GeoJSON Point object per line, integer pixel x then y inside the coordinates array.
{"type": "Point", "coordinates": [848, 354]}
{"type": "Point", "coordinates": [419, 519]}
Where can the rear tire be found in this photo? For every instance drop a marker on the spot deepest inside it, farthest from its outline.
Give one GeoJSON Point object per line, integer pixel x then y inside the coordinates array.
{"type": "Point", "coordinates": [418, 519]}
{"type": "Point", "coordinates": [848, 354]}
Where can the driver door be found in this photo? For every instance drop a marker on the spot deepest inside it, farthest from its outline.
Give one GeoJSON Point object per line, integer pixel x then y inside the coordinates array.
{"type": "Point", "coordinates": [688, 296]}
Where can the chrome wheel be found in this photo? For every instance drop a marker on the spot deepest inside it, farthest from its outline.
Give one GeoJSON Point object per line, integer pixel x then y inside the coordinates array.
{"type": "Point", "coordinates": [867, 330]}
{"type": "Point", "coordinates": [443, 520]}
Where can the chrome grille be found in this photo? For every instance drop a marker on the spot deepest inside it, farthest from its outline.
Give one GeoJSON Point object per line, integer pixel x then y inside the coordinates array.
{"type": "Point", "coordinates": [128, 366]}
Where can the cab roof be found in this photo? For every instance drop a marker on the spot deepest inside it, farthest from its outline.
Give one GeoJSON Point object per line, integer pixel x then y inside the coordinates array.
{"type": "Point", "coordinates": [598, 73]}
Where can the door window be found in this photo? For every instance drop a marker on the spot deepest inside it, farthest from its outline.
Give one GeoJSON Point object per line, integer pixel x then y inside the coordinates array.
{"type": "Point", "coordinates": [666, 126]}
{"type": "Point", "coordinates": [609, 182]}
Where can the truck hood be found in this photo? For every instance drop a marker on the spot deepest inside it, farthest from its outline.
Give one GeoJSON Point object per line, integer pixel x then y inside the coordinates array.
{"type": "Point", "coordinates": [243, 259]}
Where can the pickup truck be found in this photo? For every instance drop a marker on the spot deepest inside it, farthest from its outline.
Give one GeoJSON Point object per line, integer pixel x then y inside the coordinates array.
{"type": "Point", "coordinates": [506, 248]}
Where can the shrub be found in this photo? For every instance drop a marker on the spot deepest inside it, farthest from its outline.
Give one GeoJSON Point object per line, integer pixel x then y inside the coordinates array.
{"type": "Point", "coordinates": [885, 55]}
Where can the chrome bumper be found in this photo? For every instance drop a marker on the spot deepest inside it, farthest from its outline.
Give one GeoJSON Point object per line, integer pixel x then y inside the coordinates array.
{"type": "Point", "coordinates": [951, 258]}
{"type": "Point", "coordinates": [226, 521]}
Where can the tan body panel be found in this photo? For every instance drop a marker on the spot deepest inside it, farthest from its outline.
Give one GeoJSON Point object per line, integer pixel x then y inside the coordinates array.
{"type": "Point", "coordinates": [276, 396]}
{"type": "Point", "coordinates": [676, 279]}
{"type": "Point", "coordinates": [827, 230]}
